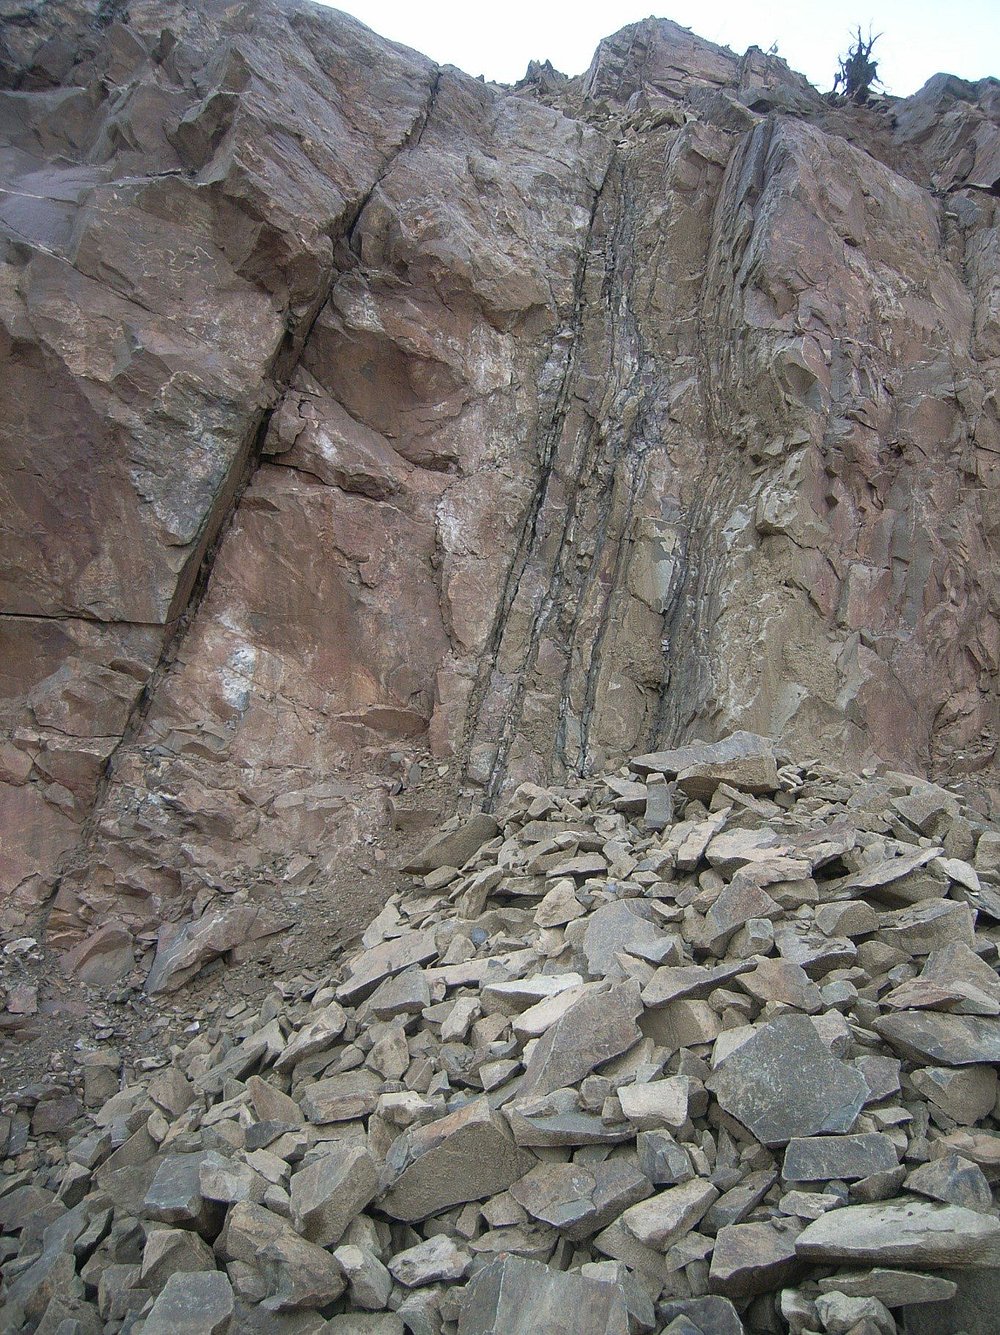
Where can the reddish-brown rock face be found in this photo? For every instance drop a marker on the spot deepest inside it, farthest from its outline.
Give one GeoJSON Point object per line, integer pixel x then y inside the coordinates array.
{"type": "Point", "coordinates": [349, 405]}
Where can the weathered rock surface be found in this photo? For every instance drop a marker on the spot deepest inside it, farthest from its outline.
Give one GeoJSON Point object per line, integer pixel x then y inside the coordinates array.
{"type": "Point", "coordinates": [356, 412]}
{"type": "Point", "coordinates": [545, 386]}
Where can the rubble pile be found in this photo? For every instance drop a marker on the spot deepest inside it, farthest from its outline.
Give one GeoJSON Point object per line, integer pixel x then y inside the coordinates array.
{"type": "Point", "coordinates": [707, 1045]}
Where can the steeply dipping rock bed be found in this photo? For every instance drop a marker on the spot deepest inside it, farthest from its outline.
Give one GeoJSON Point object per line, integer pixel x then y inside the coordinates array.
{"type": "Point", "coordinates": [353, 409]}
{"type": "Point", "coordinates": [705, 1045]}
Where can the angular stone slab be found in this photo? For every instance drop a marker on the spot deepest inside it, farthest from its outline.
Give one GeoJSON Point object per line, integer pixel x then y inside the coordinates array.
{"type": "Point", "coordinates": [751, 774]}
{"type": "Point", "coordinates": [954, 1180]}
{"type": "Point", "coordinates": [601, 1025]}
{"type": "Point", "coordinates": [850, 1158]}
{"type": "Point", "coordinates": [581, 1199]}
{"type": "Point", "coordinates": [465, 1156]}
{"type": "Point", "coordinates": [752, 1258]}
{"type": "Point", "coordinates": [522, 1297]}
{"type": "Point", "coordinates": [737, 746]}
{"type": "Point", "coordinates": [894, 1288]}
{"type": "Point", "coordinates": [383, 961]}
{"type": "Point", "coordinates": [965, 1094]}
{"type": "Point", "coordinates": [955, 964]}
{"type": "Point", "coordinates": [659, 1221]}
{"type": "Point", "coordinates": [614, 927]}
{"type": "Point", "coordinates": [454, 848]}
{"type": "Point", "coordinates": [928, 926]}
{"type": "Point", "coordinates": [298, 1274]}
{"type": "Point", "coordinates": [903, 1232]}
{"type": "Point", "coordinates": [341, 1097]}
{"type": "Point", "coordinates": [887, 870]}
{"type": "Point", "coordinates": [192, 1303]}
{"type": "Point", "coordinates": [711, 1315]}
{"type": "Point", "coordinates": [783, 1082]}
{"type": "Point", "coordinates": [558, 1120]}
{"type": "Point", "coordinates": [174, 1195]}
{"type": "Point", "coordinates": [694, 981]}
{"type": "Point", "coordinates": [329, 1192]}
{"type": "Point", "coordinates": [183, 952]}
{"type": "Point", "coordinates": [942, 1039]}
{"type": "Point", "coordinates": [657, 1104]}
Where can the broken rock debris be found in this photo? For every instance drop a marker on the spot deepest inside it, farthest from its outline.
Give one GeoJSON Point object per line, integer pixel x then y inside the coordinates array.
{"type": "Point", "coordinates": [732, 1069]}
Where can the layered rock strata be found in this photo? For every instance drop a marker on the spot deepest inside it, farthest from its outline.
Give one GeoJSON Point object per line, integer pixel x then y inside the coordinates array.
{"type": "Point", "coordinates": [354, 407]}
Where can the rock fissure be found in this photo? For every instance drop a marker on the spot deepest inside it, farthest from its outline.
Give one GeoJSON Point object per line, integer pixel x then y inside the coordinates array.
{"type": "Point", "coordinates": [528, 533]}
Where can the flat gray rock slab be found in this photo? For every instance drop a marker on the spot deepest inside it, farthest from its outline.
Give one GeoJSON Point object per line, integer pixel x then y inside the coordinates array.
{"type": "Point", "coordinates": [659, 807]}
{"type": "Point", "coordinates": [454, 848]}
{"type": "Point", "coordinates": [928, 926]}
{"type": "Point", "coordinates": [825, 1158]}
{"type": "Point", "coordinates": [371, 967]}
{"type": "Point", "coordinates": [581, 1199]}
{"type": "Point", "coordinates": [174, 1195]}
{"type": "Point", "coordinates": [902, 1232]}
{"type": "Point", "coordinates": [752, 1258]}
{"type": "Point", "coordinates": [560, 1121]}
{"type": "Point", "coordinates": [667, 1216]}
{"type": "Point", "coordinates": [894, 1288]}
{"type": "Point", "coordinates": [330, 1191]}
{"type": "Point", "coordinates": [465, 1156]}
{"type": "Point", "coordinates": [694, 981]}
{"type": "Point", "coordinates": [436, 1258]}
{"type": "Point", "coordinates": [954, 1180]}
{"type": "Point", "coordinates": [942, 1039]}
{"type": "Point", "coordinates": [783, 1082]}
{"type": "Point", "coordinates": [341, 1097]}
{"type": "Point", "coordinates": [753, 774]}
{"type": "Point", "coordinates": [611, 928]}
{"type": "Point", "coordinates": [179, 956]}
{"type": "Point", "coordinates": [601, 1025]}
{"type": "Point", "coordinates": [192, 1303]}
{"type": "Point", "coordinates": [965, 1094]}
{"type": "Point", "coordinates": [736, 746]}
{"type": "Point", "coordinates": [887, 870]}
{"type": "Point", "coordinates": [957, 963]}
{"type": "Point", "coordinates": [521, 1297]}
{"type": "Point", "coordinates": [711, 1315]}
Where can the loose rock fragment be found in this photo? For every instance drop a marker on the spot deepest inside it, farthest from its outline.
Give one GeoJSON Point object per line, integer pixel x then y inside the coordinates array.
{"type": "Point", "coordinates": [522, 1297]}
{"type": "Point", "coordinates": [782, 1082]}
{"type": "Point", "coordinates": [909, 1232]}
{"type": "Point", "coordinates": [465, 1156]}
{"type": "Point", "coordinates": [196, 1303]}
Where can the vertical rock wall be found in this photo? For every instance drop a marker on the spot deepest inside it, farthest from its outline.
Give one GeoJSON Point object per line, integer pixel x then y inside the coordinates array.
{"type": "Point", "coordinates": [352, 405]}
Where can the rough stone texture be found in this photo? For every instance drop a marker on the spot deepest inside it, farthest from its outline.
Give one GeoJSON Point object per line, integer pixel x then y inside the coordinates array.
{"type": "Point", "coordinates": [522, 1297]}
{"type": "Point", "coordinates": [546, 387]}
{"type": "Point", "coordinates": [198, 1303]}
{"type": "Point", "coordinates": [462, 1157]}
{"type": "Point", "coordinates": [783, 1083]}
{"type": "Point", "coordinates": [912, 1233]}
{"type": "Point", "coordinates": [356, 412]}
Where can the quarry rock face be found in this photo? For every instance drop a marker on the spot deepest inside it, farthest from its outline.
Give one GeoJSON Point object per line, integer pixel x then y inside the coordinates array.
{"type": "Point", "coordinates": [352, 406]}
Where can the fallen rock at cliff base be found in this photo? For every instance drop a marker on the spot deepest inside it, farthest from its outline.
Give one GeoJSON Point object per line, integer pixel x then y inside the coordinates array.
{"type": "Point", "coordinates": [622, 1118]}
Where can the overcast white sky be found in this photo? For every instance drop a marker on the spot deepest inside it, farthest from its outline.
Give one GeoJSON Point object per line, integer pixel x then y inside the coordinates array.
{"type": "Point", "coordinates": [921, 37]}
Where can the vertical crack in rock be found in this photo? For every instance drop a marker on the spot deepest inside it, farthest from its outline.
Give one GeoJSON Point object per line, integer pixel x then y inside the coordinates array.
{"type": "Point", "coordinates": [218, 522]}
{"type": "Point", "coordinates": [528, 538]}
